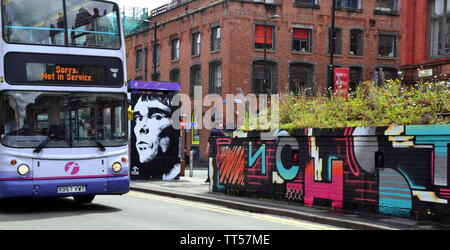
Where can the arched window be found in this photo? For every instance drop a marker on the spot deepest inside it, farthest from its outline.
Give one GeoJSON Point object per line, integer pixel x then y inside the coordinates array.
{"type": "Point", "coordinates": [386, 73]}
{"type": "Point", "coordinates": [264, 77]}
{"type": "Point", "coordinates": [356, 77]}
{"type": "Point", "coordinates": [215, 77]}
{"type": "Point", "coordinates": [175, 75]}
{"type": "Point", "coordinates": [195, 79]}
{"type": "Point", "coordinates": [301, 77]}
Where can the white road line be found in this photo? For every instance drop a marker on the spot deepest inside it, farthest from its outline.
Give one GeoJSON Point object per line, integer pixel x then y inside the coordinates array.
{"type": "Point", "coordinates": [270, 218]}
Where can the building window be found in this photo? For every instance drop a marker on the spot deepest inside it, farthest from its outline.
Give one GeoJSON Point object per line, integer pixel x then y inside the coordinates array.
{"type": "Point", "coordinates": [348, 4]}
{"type": "Point", "coordinates": [337, 41]}
{"type": "Point", "coordinates": [356, 77]}
{"type": "Point", "coordinates": [301, 78]}
{"type": "Point", "coordinates": [439, 28]}
{"type": "Point", "coordinates": [156, 76]}
{"type": "Point", "coordinates": [387, 45]}
{"type": "Point", "coordinates": [216, 38]}
{"type": "Point", "coordinates": [386, 6]}
{"type": "Point", "coordinates": [175, 48]}
{"type": "Point", "coordinates": [156, 54]}
{"type": "Point", "coordinates": [356, 42]}
{"type": "Point", "coordinates": [195, 79]}
{"type": "Point", "coordinates": [139, 58]}
{"type": "Point", "coordinates": [215, 78]}
{"type": "Point", "coordinates": [196, 39]}
{"type": "Point", "coordinates": [302, 40]}
{"type": "Point", "coordinates": [264, 37]}
{"type": "Point", "coordinates": [265, 77]}
{"type": "Point", "coordinates": [174, 75]}
{"type": "Point", "coordinates": [386, 73]}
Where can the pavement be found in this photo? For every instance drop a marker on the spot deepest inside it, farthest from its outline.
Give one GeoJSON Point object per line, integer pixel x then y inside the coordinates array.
{"type": "Point", "coordinates": [195, 189]}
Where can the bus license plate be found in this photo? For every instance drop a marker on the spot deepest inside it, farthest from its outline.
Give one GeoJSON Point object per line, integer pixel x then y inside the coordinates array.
{"type": "Point", "coordinates": [71, 189]}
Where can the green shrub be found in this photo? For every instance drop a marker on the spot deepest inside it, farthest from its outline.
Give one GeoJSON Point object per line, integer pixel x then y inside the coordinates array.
{"type": "Point", "coordinates": [370, 105]}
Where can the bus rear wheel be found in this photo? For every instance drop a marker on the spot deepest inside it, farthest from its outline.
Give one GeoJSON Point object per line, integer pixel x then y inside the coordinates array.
{"type": "Point", "coordinates": [84, 199]}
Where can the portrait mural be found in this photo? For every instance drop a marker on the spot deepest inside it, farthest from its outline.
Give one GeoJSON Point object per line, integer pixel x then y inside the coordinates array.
{"type": "Point", "coordinates": [154, 141]}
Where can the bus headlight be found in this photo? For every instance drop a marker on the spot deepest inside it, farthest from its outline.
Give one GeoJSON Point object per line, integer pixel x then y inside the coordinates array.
{"type": "Point", "coordinates": [23, 169]}
{"type": "Point", "coordinates": [116, 167]}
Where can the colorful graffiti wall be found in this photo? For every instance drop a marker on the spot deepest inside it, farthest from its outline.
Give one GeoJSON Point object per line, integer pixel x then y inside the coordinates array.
{"type": "Point", "coordinates": [390, 170]}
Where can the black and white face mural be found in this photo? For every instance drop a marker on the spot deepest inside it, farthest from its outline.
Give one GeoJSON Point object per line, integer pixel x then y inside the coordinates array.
{"type": "Point", "coordinates": [154, 141]}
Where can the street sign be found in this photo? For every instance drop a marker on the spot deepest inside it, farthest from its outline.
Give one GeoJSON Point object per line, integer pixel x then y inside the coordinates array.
{"type": "Point", "coordinates": [341, 81]}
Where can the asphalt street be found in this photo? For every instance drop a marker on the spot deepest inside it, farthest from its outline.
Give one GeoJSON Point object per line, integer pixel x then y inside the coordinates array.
{"type": "Point", "coordinates": [138, 211]}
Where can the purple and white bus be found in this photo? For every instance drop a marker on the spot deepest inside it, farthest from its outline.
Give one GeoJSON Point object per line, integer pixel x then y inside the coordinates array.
{"type": "Point", "coordinates": [63, 100]}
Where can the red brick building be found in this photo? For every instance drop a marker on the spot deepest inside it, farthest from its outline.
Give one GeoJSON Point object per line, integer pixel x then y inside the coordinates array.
{"type": "Point", "coordinates": [426, 41]}
{"type": "Point", "coordinates": [220, 45]}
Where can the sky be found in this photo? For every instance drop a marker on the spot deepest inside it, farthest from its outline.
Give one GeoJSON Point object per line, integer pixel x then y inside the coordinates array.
{"type": "Point", "coordinates": [151, 4]}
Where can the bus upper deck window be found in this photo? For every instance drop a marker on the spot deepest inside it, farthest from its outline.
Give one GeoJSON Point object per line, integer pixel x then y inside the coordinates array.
{"type": "Point", "coordinates": [90, 23]}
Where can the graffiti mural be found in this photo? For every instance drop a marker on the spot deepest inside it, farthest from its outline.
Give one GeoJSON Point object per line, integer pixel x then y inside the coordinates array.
{"type": "Point", "coordinates": [154, 141]}
{"type": "Point", "coordinates": [230, 160]}
{"type": "Point", "coordinates": [390, 170]}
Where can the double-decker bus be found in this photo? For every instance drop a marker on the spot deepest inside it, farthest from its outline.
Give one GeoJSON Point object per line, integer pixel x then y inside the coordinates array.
{"type": "Point", "coordinates": [63, 100]}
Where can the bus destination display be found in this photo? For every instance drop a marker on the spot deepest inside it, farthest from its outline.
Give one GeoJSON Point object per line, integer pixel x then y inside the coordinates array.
{"type": "Point", "coordinates": [61, 70]}
{"type": "Point", "coordinates": [49, 72]}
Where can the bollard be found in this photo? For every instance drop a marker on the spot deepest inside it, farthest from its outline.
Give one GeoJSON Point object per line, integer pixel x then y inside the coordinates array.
{"type": "Point", "coordinates": [191, 163]}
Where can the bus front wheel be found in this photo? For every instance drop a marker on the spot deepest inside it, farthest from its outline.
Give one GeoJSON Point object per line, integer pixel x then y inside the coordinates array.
{"type": "Point", "coordinates": [84, 199]}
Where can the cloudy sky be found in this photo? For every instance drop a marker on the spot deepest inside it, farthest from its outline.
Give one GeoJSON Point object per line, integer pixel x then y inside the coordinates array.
{"type": "Point", "coordinates": [151, 4]}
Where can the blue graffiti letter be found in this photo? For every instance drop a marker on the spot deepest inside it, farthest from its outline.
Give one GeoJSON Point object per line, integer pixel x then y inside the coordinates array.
{"type": "Point", "coordinates": [291, 172]}
{"type": "Point", "coordinates": [253, 157]}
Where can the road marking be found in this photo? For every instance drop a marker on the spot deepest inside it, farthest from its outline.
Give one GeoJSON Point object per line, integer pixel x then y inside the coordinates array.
{"type": "Point", "coordinates": [269, 218]}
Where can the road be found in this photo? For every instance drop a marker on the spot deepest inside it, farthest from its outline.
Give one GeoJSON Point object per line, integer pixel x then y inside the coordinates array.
{"type": "Point", "coordinates": [138, 211]}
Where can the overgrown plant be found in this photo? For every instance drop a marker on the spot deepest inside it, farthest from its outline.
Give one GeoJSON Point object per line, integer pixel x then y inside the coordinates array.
{"type": "Point", "coordinates": [369, 105]}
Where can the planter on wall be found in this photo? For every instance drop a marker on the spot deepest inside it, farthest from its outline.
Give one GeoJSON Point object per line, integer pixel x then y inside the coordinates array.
{"type": "Point", "coordinates": [393, 170]}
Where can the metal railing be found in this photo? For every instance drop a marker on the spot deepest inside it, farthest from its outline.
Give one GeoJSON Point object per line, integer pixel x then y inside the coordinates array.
{"type": "Point", "coordinates": [169, 6]}
{"type": "Point", "coordinates": [176, 3]}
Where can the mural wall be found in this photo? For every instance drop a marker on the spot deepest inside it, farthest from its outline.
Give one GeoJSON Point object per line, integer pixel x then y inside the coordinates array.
{"type": "Point", "coordinates": [391, 170]}
{"type": "Point", "coordinates": [154, 146]}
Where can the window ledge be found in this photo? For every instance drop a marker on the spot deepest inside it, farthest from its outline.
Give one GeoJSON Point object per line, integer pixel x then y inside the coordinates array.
{"type": "Point", "coordinates": [355, 56]}
{"type": "Point", "coordinates": [306, 5]}
{"type": "Point", "coordinates": [268, 50]}
{"type": "Point", "coordinates": [214, 51]}
{"type": "Point", "coordinates": [175, 60]}
{"type": "Point", "coordinates": [195, 56]}
{"type": "Point", "coordinates": [387, 58]}
{"type": "Point", "coordinates": [386, 13]}
{"type": "Point", "coordinates": [349, 10]}
{"type": "Point", "coordinates": [301, 52]}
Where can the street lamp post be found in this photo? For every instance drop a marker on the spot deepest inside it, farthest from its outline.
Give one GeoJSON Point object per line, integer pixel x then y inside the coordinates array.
{"type": "Point", "coordinates": [265, 52]}
{"type": "Point", "coordinates": [332, 43]}
{"type": "Point", "coordinates": [154, 44]}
